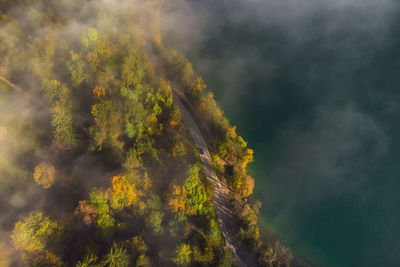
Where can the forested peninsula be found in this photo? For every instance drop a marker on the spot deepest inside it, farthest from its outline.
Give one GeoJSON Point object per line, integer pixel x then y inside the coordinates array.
{"type": "Point", "coordinates": [113, 152]}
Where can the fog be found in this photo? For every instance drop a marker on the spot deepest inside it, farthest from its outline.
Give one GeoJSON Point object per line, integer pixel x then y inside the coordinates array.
{"type": "Point", "coordinates": [312, 85]}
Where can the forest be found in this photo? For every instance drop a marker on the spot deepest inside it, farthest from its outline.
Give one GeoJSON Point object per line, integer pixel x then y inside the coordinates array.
{"type": "Point", "coordinates": [97, 167]}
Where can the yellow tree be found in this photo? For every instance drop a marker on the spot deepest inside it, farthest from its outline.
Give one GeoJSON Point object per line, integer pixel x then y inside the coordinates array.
{"type": "Point", "coordinates": [183, 254]}
{"type": "Point", "coordinates": [178, 201]}
{"type": "Point", "coordinates": [123, 194]}
{"type": "Point", "coordinates": [34, 232]}
{"type": "Point", "coordinates": [44, 174]}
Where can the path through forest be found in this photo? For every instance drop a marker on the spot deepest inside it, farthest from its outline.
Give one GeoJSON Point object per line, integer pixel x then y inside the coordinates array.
{"type": "Point", "coordinates": [224, 209]}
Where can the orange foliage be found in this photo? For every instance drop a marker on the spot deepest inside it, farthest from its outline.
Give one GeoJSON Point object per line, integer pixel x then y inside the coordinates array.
{"type": "Point", "coordinates": [53, 259]}
{"type": "Point", "coordinates": [203, 106]}
{"type": "Point", "coordinates": [124, 194]}
{"type": "Point", "coordinates": [178, 201]}
{"type": "Point", "coordinates": [247, 186]}
{"type": "Point", "coordinates": [99, 92]}
{"type": "Point", "coordinates": [173, 123]}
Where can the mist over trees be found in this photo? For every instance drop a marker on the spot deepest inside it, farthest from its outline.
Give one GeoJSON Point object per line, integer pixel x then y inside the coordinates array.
{"type": "Point", "coordinates": [96, 166]}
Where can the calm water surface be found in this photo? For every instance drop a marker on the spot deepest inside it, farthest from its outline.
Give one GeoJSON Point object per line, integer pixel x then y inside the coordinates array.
{"type": "Point", "coordinates": [315, 90]}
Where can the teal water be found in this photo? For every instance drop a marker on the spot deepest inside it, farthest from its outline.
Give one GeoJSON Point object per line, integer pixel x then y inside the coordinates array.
{"type": "Point", "coordinates": [315, 88]}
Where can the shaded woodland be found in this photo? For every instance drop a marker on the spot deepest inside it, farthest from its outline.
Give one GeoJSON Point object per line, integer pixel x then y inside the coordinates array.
{"type": "Point", "coordinates": [96, 165]}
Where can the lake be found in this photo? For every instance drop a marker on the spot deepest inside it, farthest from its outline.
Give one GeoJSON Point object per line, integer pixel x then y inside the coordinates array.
{"type": "Point", "coordinates": [313, 87]}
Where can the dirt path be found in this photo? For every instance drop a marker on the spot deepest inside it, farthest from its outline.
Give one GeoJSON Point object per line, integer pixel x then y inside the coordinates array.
{"type": "Point", "coordinates": [223, 207]}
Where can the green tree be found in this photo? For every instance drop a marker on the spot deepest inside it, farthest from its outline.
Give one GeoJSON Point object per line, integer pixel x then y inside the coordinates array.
{"type": "Point", "coordinates": [63, 124]}
{"type": "Point", "coordinates": [214, 232]}
{"type": "Point", "coordinates": [98, 47]}
{"type": "Point", "coordinates": [135, 119]}
{"type": "Point", "coordinates": [90, 260]}
{"type": "Point", "coordinates": [139, 250]}
{"type": "Point", "coordinates": [117, 256]}
{"type": "Point", "coordinates": [227, 259]}
{"type": "Point", "coordinates": [59, 96]}
{"type": "Point", "coordinates": [34, 232]}
{"type": "Point", "coordinates": [76, 66]}
{"type": "Point", "coordinates": [154, 218]}
{"type": "Point", "coordinates": [137, 71]}
{"type": "Point", "coordinates": [178, 201]}
{"type": "Point", "coordinates": [196, 193]}
{"type": "Point", "coordinates": [143, 261]}
{"type": "Point", "coordinates": [104, 219]}
{"type": "Point", "coordinates": [107, 127]}
{"type": "Point", "coordinates": [133, 164]}
{"type": "Point", "coordinates": [179, 68]}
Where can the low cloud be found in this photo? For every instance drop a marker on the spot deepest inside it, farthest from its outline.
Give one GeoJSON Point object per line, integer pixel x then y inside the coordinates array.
{"type": "Point", "coordinates": [329, 158]}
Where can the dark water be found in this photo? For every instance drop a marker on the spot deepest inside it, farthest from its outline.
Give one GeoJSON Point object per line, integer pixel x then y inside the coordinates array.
{"type": "Point", "coordinates": [314, 88]}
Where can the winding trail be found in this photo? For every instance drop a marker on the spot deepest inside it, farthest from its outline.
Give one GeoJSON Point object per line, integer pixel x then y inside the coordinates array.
{"type": "Point", "coordinates": [223, 207]}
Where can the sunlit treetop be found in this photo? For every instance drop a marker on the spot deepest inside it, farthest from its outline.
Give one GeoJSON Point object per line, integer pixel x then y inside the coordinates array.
{"type": "Point", "coordinates": [34, 232]}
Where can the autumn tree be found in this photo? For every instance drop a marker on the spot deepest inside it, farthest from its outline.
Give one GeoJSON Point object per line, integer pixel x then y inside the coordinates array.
{"type": "Point", "coordinates": [182, 255]}
{"type": "Point", "coordinates": [44, 174]}
{"type": "Point", "coordinates": [77, 67]}
{"type": "Point", "coordinates": [99, 92]}
{"type": "Point", "coordinates": [178, 200]}
{"type": "Point", "coordinates": [164, 94]}
{"type": "Point", "coordinates": [135, 172]}
{"type": "Point", "coordinates": [277, 255]}
{"type": "Point", "coordinates": [124, 194]}
{"type": "Point", "coordinates": [190, 198]}
{"type": "Point", "coordinates": [86, 211]}
{"type": "Point", "coordinates": [247, 186]}
{"type": "Point", "coordinates": [97, 46]}
{"type": "Point", "coordinates": [179, 68]}
{"type": "Point", "coordinates": [107, 127]}
{"type": "Point", "coordinates": [133, 164]}
{"type": "Point", "coordinates": [249, 231]}
{"type": "Point", "coordinates": [139, 252]}
{"type": "Point", "coordinates": [137, 71]}
{"type": "Point", "coordinates": [197, 88]}
{"type": "Point", "coordinates": [33, 233]}
{"type": "Point", "coordinates": [204, 256]}
{"type": "Point", "coordinates": [209, 110]}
